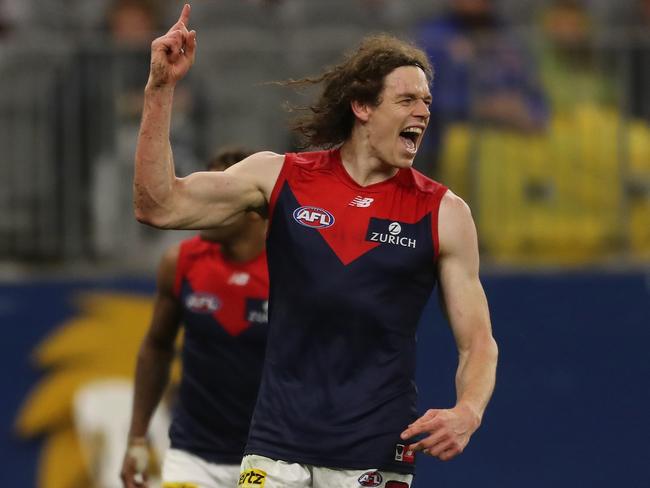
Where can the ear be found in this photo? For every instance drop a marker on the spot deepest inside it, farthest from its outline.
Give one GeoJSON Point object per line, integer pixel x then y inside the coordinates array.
{"type": "Point", "coordinates": [361, 110]}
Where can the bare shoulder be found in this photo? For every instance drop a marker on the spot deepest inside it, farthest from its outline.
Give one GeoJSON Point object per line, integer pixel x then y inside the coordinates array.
{"type": "Point", "coordinates": [262, 168]}
{"type": "Point", "coordinates": [452, 204]}
{"type": "Point", "coordinates": [167, 267]}
{"type": "Point", "coordinates": [261, 159]}
{"type": "Point", "coordinates": [454, 212]}
{"type": "Point", "coordinates": [170, 256]}
{"type": "Point", "coordinates": [456, 224]}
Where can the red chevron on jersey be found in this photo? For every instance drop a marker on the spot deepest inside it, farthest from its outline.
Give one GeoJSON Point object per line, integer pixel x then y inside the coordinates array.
{"type": "Point", "coordinates": [223, 307]}
{"type": "Point", "coordinates": [346, 241]}
{"type": "Point", "coordinates": [344, 213]}
{"type": "Point", "coordinates": [232, 293]}
{"type": "Point", "coordinates": [350, 282]}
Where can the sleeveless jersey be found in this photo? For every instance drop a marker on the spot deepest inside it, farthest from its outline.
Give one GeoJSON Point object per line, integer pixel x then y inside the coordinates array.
{"type": "Point", "coordinates": [225, 319]}
{"type": "Point", "coordinates": [351, 269]}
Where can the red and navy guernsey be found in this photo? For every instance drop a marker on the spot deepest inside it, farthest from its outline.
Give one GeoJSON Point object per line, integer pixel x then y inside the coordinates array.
{"type": "Point", "coordinates": [351, 269]}
{"type": "Point", "coordinates": [225, 318]}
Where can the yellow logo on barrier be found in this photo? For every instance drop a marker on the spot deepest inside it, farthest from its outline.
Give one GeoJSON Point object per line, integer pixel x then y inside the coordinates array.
{"type": "Point", "coordinates": [90, 355]}
{"type": "Point", "coordinates": [252, 478]}
{"type": "Point", "coordinates": [180, 485]}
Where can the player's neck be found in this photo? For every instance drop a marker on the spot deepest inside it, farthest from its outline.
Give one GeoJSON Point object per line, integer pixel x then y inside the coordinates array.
{"type": "Point", "coordinates": [362, 166]}
{"type": "Point", "coordinates": [245, 247]}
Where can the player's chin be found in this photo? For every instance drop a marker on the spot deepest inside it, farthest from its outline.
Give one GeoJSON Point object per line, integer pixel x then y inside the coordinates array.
{"type": "Point", "coordinates": [405, 159]}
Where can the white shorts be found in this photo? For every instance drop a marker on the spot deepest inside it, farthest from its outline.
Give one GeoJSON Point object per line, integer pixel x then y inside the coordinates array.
{"type": "Point", "coordinates": [262, 472]}
{"type": "Point", "coordinates": [184, 470]}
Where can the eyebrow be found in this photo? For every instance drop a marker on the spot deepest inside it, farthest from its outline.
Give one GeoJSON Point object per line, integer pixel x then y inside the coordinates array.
{"type": "Point", "coordinates": [413, 95]}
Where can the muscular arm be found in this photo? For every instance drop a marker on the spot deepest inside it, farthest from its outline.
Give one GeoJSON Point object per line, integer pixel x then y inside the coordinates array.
{"type": "Point", "coordinates": [448, 430]}
{"type": "Point", "coordinates": [203, 199]}
{"type": "Point", "coordinates": [154, 358]}
{"type": "Point", "coordinates": [466, 308]}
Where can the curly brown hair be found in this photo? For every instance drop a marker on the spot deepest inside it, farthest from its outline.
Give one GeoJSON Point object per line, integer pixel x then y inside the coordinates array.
{"type": "Point", "coordinates": [359, 77]}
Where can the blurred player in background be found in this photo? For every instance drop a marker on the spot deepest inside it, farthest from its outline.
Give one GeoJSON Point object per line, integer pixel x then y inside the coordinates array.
{"type": "Point", "coordinates": [216, 285]}
{"type": "Point", "coordinates": [356, 243]}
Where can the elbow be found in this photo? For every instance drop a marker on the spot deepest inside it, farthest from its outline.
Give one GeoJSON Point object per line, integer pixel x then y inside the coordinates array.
{"type": "Point", "coordinates": [150, 210]}
{"type": "Point", "coordinates": [142, 216]}
{"type": "Point", "coordinates": [492, 349]}
{"type": "Point", "coordinates": [147, 217]}
{"type": "Point", "coordinates": [153, 218]}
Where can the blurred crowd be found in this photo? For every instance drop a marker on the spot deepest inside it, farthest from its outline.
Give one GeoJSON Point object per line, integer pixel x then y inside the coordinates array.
{"type": "Point", "coordinates": [539, 118]}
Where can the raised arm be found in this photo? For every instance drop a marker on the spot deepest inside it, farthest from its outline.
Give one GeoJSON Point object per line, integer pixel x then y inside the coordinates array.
{"type": "Point", "coordinates": [203, 199]}
{"type": "Point", "coordinates": [448, 431]}
{"type": "Point", "coordinates": [152, 368]}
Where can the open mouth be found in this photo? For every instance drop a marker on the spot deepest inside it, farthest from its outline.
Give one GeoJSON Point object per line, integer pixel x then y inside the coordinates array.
{"type": "Point", "coordinates": [410, 137]}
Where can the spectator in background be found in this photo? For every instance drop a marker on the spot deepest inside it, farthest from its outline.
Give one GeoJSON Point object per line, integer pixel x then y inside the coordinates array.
{"type": "Point", "coordinates": [131, 25]}
{"type": "Point", "coordinates": [13, 16]}
{"type": "Point", "coordinates": [116, 107]}
{"type": "Point", "coordinates": [639, 60]}
{"type": "Point", "coordinates": [570, 63]}
{"type": "Point", "coordinates": [5, 20]}
{"type": "Point", "coordinates": [482, 74]}
{"type": "Point", "coordinates": [132, 21]}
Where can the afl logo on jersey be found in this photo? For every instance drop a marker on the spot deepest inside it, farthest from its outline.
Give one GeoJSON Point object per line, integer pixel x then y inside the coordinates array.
{"type": "Point", "coordinates": [313, 217]}
{"type": "Point", "coordinates": [370, 478]}
{"type": "Point", "coordinates": [202, 303]}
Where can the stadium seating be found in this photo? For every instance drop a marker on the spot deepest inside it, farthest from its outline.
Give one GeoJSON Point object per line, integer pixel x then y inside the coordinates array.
{"type": "Point", "coordinates": [554, 196]}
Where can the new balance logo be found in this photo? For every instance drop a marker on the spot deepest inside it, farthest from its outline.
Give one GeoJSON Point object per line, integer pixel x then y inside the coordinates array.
{"type": "Point", "coordinates": [239, 278]}
{"type": "Point", "coordinates": [361, 202]}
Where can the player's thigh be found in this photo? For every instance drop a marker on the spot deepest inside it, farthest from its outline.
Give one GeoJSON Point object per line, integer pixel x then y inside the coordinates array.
{"type": "Point", "coordinates": [184, 470]}
{"type": "Point", "coordinates": [356, 478]}
{"type": "Point", "coordinates": [263, 472]}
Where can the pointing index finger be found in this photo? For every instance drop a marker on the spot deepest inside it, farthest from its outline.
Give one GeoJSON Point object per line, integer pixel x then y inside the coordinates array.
{"type": "Point", "coordinates": [185, 14]}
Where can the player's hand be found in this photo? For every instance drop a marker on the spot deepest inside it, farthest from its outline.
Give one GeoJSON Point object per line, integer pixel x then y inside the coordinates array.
{"type": "Point", "coordinates": [172, 55]}
{"type": "Point", "coordinates": [135, 464]}
{"type": "Point", "coordinates": [447, 431]}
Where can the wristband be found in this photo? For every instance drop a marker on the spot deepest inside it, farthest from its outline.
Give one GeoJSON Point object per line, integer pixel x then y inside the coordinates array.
{"type": "Point", "coordinates": [140, 455]}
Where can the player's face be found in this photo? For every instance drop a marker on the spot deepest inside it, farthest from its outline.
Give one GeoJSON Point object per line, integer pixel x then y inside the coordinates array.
{"type": "Point", "coordinates": [397, 124]}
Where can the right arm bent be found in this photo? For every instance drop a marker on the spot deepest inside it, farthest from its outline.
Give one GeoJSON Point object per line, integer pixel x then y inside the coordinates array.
{"type": "Point", "coordinates": [203, 199]}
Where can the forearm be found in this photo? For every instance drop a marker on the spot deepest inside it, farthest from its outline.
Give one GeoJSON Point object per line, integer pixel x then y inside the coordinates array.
{"type": "Point", "coordinates": [447, 431]}
{"type": "Point", "coordinates": [476, 376]}
{"type": "Point", "coordinates": [154, 169]}
{"type": "Point", "coordinates": [151, 379]}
